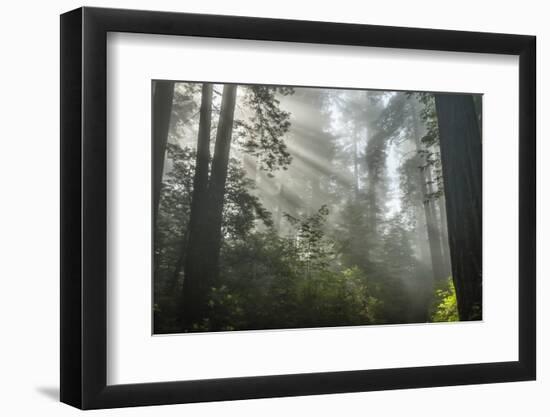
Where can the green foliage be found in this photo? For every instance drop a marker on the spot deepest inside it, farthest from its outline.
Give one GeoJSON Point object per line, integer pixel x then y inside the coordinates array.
{"type": "Point", "coordinates": [174, 211]}
{"type": "Point", "coordinates": [242, 211]}
{"type": "Point", "coordinates": [311, 246]}
{"type": "Point", "coordinates": [445, 308]}
{"type": "Point", "coordinates": [287, 282]}
{"type": "Point", "coordinates": [261, 134]}
{"type": "Point", "coordinates": [320, 244]}
{"type": "Point", "coordinates": [354, 238]}
{"type": "Point", "coordinates": [431, 155]}
{"type": "Point", "coordinates": [269, 284]}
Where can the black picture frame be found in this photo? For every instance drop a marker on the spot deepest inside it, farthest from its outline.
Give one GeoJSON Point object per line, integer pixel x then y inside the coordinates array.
{"type": "Point", "coordinates": [84, 194]}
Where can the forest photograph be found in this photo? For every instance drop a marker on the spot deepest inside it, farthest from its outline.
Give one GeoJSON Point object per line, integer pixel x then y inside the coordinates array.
{"type": "Point", "coordinates": [285, 207]}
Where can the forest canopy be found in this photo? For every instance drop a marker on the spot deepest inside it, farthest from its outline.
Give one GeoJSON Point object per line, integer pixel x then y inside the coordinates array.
{"type": "Point", "coordinates": [283, 207]}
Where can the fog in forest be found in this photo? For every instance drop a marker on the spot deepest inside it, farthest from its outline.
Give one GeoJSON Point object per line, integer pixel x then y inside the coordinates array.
{"type": "Point", "coordinates": [280, 207]}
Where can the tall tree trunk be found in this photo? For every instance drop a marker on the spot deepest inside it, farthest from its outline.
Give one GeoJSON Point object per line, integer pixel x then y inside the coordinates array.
{"type": "Point", "coordinates": [429, 212]}
{"type": "Point", "coordinates": [444, 234]}
{"type": "Point", "coordinates": [218, 178]}
{"type": "Point", "coordinates": [163, 96]}
{"type": "Point", "coordinates": [279, 210]}
{"type": "Point", "coordinates": [421, 236]}
{"type": "Point", "coordinates": [434, 238]}
{"type": "Point", "coordinates": [191, 249]}
{"type": "Point", "coordinates": [355, 169]}
{"type": "Point", "coordinates": [202, 266]}
{"type": "Point", "coordinates": [460, 143]}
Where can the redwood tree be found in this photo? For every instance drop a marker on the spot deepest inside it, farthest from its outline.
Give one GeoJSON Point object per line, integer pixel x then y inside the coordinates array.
{"type": "Point", "coordinates": [193, 255]}
{"type": "Point", "coordinates": [460, 142]}
{"type": "Point", "coordinates": [261, 137]}
{"type": "Point", "coordinates": [163, 95]}
{"type": "Point", "coordinates": [432, 226]}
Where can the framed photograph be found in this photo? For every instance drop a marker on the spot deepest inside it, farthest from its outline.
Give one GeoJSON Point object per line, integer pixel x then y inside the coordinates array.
{"type": "Point", "coordinates": [256, 208]}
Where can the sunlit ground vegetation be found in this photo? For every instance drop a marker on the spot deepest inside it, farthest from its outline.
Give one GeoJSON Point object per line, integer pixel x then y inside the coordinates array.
{"type": "Point", "coordinates": [280, 207]}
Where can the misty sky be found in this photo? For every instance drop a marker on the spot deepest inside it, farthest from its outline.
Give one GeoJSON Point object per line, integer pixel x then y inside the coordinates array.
{"type": "Point", "coordinates": [307, 161]}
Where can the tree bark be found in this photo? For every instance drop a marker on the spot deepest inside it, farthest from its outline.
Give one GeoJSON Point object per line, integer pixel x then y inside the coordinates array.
{"type": "Point", "coordinates": [460, 143]}
{"type": "Point", "coordinates": [421, 236]}
{"type": "Point", "coordinates": [218, 178]}
{"type": "Point", "coordinates": [203, 254]}
{"type": "Point", "coordinates": [163, 96]}
{"type": "Point", "coordinates": [191, 257]}
{"type": "Point", "coordinates": [444, 234]}
{"type": "Point", "coordinates": [355, 169]}
{"type": "Point", "coordinates": [434, 241]}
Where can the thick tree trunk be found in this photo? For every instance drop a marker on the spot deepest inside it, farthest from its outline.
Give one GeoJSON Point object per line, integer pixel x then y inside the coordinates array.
{"type": "Point", "coordinates": [432, 229]}
{"type": "Point", "coordinates": [202, 266]}
{"type": "Point", "coordinates": [218, 178]}
{"type": "Point", "coordinates": [460, 143]}
{"type": "Point", "coordinates": [191, 256]}
{"type": "Point", "coordinates": [163, 96]}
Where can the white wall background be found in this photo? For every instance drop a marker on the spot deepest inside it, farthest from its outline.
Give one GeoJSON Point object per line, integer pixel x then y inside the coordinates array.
{"type": "Point", "coordinates": [29, 237]}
